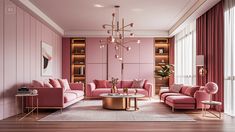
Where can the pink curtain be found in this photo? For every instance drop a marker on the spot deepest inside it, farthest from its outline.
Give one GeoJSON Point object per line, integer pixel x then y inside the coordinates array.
{"type": "Point", "coordinates": [171, 59]}
{"type": "Point", "coordinates": [210, 43]}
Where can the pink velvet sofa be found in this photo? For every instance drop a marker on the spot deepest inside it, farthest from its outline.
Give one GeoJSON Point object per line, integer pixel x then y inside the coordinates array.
{"type": "Point", "coordinates": [93, 91]}
{"type": "Point", "coordinates": [57, 98]}
{"type": "Point", "coordinates": [187, 97]}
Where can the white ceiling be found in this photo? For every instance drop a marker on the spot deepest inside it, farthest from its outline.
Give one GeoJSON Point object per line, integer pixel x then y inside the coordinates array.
{"type": "Point", "coordinates": [77, 15]}
{"type": "Point", "coordinates": [150, 17]}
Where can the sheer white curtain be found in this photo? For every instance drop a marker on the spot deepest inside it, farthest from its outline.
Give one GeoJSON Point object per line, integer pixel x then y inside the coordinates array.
{"type": "Point", "coordinates": [229, 58]}
{"type": "Point", "coordinates": [185, 55]}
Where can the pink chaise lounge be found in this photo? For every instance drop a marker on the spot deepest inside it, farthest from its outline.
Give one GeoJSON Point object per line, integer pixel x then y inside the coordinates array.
{"type": "Point", "coordinates": [187, 97]}
{"type": "Point", "coordinates": [92, 90]}
{"type": "Point", "coordinates": [58, 98]}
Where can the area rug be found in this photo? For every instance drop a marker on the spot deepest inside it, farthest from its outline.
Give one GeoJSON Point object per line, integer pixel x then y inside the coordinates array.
{"type": "Point", "coordinates": [91, 110]}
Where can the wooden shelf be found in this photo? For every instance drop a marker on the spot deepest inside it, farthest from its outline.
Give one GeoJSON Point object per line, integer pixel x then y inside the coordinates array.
{"type": "Point", "coordinates": [78, 57]}
{"type": "Point", "coordinates": [161, 59]}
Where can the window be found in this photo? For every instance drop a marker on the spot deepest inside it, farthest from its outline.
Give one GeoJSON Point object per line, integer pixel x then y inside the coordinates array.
{"type": "Point", "coordinates": [229, 58]}
{"type": "Point", "coordinates": [185, 56]}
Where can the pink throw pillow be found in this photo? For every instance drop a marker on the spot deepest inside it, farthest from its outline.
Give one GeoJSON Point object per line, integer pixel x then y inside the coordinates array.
{"type": "Point", "coordinates": [55, 83]}
{"type": "Point", "coordinates": [191, 90]}
{"type": "Point", "coordinates": [176, 88]}
{"type": "Point", "coordinates": [37, 83]}
{"type": "Point", "coordinates": [64, 84]}
{"type": "Point", "coordinates": [47, 85]}
{"type": "Point", "coordinates": [100, 83]}
{"type": "Point", "coordinates": [138, 83]}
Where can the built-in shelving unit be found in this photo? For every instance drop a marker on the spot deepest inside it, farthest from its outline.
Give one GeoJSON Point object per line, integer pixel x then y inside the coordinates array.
{"type": "Point", "coordinates": [161, 58]}
{"type": "Point", "coordinates": [78, 57]}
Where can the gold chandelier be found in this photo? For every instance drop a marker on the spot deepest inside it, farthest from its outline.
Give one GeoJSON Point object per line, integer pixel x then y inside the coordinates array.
{"type": "Point", "coordinates": [117, 34]}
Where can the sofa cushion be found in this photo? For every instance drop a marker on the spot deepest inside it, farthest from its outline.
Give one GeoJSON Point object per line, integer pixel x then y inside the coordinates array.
{"type": "Point", "coordinates": [183, 89]}
{"type": "Point", "coordinates": [191, 90]}
{"type": "Point", "coordinates": [64, 84]}
{"type": "Point", "coordinates": [164, 95]}
{"type": "Point", "coordinates": [78, 93]}
{"type": "Point", "coordinates": [142, 91]}
{"type": "Point", "coordinates": [99, 91]}
{"type": "Point", "coordinates": [69, 97]}
{"type": "Point", "coordinates": [184, 99]}
{"type": "Point", "coordinates": [126, 84]}
{"type": "Point", "coordinates": [176, 88]}
{"type": "Point", "coordinates": [37, 83]}
{"type": "Point", "coordinates": [55, 83]}
{"type": "Point", "coordinates": [47, 85]}
{"type": "Point", "coordinates": [138, 83]}
{"type": "Point", "coordinates": [100, 83]}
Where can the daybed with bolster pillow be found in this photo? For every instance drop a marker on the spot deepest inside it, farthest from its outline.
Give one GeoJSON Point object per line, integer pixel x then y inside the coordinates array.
{"type": "Point", "coordinates": [179, 96]}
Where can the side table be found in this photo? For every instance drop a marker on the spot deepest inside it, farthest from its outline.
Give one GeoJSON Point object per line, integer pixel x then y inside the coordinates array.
{"type": "Point", "coordinates": [211, 103]}
{"type": "Point", "coordinates": [33, 107]}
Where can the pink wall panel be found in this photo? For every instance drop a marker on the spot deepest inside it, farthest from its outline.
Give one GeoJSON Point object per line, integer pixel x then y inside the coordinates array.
{"type": "Point", "coordinates": [20, 47]}
{"type": "Point", "coordinates": [27, 76]}
{"type": "Point", "coordinates": [32, 47]}
{"type": "Point", "coordinates": [20, 52]}
{"type": "Point", "coordinates": [147, 50]}
{"type": "Point", "coordinates": [38, 49]}
{"type": "Point", "coordinates": [66, 58]}
{"type": "Point", "coordinates": [95, 54]}
{"type": "Point", "coordinates": [10, 73]}
{"type": "Point", "coordinates": [114, 66]}
{"type": "Point", "coordinates": [131, 71]}
{"type": "Point", "coordinates": [146, 72]}
{"type": "Point", "coordinates": [95, 71]}
{"type": "Point", "coordinates": [1, 59]}
{"type": "Point", "coordinates": [132, 56]}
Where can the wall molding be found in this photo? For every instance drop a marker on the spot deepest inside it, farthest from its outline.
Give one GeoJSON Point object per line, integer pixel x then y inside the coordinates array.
{"type": "Point", "coordinates": [35, 10]}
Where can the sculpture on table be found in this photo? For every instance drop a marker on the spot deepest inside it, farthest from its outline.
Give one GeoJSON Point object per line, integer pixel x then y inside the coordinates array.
{"type": "Point", "coordinates": [211, 88]}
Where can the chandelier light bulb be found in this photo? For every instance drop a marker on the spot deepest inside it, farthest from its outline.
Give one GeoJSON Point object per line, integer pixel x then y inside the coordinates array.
{"type": "Point", "coordinates": [132, 24]}
{"type": "Point", "coordinates": [138, 41]}
{"type": "Point", "coordinates": [112, 39]}
{"type": "Point", "coordinates": [116, 56]}
{"type": "Point", "coordinates": [116, 47]}
{"type": "Point", "coordinates": [103, 26]}
{"type": "Point", "coordinates": [120, 58]}
{"type": "Point", "coordinates": [131, 34]}
{"type": "Point", "coordinates": [128, 48]}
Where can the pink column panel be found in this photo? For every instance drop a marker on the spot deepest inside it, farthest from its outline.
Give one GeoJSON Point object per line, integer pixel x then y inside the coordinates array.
{"type": "Point", "coordinates": [1, 59]}
{"type": "Point", "coordinates": [66, 58]}
{"type": "Point", "coordinates": [146, 50]}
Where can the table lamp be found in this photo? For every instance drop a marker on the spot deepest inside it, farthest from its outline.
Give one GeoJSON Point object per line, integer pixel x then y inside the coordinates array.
{"type": "Point", "coordinates": [200, 62]}
{"type": "Point", "coordinates": [211, 88]}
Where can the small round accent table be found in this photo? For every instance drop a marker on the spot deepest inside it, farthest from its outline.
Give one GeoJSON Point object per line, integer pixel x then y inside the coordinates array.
{"type": "Point", "coordinates": [120, 101]}
{"type": "Point", "coordinates": [211, 103]}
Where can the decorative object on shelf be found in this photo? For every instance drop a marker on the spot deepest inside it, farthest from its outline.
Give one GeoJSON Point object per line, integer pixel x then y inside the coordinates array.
{"type": "Point", "coordinates": [23, 90]}
{"type": "Point", "coordinates": [114, 82]}
{"type": "Point", "coordinates": [35, 91]}
{"type": "Point", "coordinates": [46, 59]}
{"type": "Point", "coordinates": [211, 88]}
{"type": "Point", "coordinates": [117, 36]}
{"type": "Point", "coordinates": [164, 72]}
{"type": "Point", "coordinates": [161, 50]}
{"type": "Point", "coordinates": [200, 63]}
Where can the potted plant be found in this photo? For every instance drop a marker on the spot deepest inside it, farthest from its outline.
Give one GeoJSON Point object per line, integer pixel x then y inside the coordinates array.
{"type": "Point", "coordinates": [164, 72]}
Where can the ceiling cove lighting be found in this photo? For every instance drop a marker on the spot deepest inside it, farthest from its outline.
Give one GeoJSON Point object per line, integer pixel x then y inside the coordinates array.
{"type": "Point", "coordinates": [117, 33]}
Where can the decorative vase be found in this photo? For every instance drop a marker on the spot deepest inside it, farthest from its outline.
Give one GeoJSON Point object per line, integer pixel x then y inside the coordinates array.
{"type": "Point", "coordinates": [114, 89]}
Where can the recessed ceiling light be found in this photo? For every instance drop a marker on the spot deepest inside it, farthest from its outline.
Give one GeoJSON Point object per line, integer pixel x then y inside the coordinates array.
{"type": "Point", "coordinates": [98, 5]}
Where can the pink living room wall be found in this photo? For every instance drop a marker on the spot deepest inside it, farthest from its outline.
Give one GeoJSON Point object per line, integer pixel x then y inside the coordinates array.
{"type": "Point", "coordinates": [20, 52]}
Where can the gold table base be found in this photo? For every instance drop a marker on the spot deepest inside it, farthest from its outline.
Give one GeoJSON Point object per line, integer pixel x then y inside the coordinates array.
{"type": "Point", "coordinates": [122, 103]}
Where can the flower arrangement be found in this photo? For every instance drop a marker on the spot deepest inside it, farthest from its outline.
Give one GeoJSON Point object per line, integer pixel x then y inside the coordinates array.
{"type": "Point", "coordinates": [114, 82]}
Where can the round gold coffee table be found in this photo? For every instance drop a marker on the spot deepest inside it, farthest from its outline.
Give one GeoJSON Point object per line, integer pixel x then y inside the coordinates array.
{"type": "Point", "coordinates": [120, 101]}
